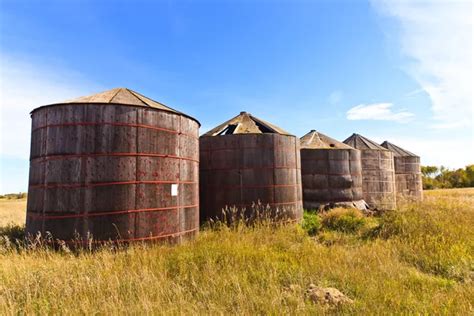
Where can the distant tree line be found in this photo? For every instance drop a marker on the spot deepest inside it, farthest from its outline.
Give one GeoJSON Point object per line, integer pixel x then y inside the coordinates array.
{"type": "Point", "coordinates": [11, 196]}
{"type": "Point", "coordinates": [444, 178]}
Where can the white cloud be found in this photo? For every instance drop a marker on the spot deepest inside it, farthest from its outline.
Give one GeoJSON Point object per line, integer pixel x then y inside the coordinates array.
{"type": "Point", "coordinates": [436, 36]}
{"type": "Point", "coordinates": [25, 86]}
{"type": "Point", "coordinates": [378, 111]}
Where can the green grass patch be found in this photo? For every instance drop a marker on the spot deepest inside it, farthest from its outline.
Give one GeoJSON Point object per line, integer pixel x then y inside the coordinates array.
{"type": "Point", "coordinates": [347, 220]}
{"type": "Point", "coordinates": [311, 223]}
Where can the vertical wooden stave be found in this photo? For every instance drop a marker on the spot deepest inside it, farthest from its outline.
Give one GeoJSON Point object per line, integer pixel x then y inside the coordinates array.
{"type": "Point", "coordinates": [330, 176]}
{"type": "Point", "coordinates": [110, 129]}
{"type": "Point", "coordinates": [238, 170]}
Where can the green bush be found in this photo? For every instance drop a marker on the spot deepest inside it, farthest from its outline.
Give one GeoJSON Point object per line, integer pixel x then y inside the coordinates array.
{"type": "Point", "coordinates": [311, 223]}
{"type": "Point", "coordinates": [343, 220]}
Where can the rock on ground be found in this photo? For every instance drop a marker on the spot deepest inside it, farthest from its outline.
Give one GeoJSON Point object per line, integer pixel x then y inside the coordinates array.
{"type": "Point", "coordinates": [327, 296]}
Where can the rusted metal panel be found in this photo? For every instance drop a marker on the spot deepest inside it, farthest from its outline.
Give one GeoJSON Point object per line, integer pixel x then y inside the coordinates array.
{"type": "Point", "coordinates": [118, 172]}
{"type": "Point", "coordinates": [241, 169]}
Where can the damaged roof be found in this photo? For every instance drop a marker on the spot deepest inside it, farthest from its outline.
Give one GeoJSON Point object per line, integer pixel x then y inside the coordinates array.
{"type": "Point", "coordinates": [123, 96]}
{"type": "Point", "coordinates": [316, 140]}
{"type": "Point", "coordinates": [397, 151]}
{"type": "Point", "coordinates": [245, 123]}
{"type": "Point", "coordinates": [360, 142]}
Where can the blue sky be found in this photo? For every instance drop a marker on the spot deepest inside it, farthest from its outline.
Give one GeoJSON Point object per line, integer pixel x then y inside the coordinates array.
{"type": "Point", "coordinates": [388, 70]}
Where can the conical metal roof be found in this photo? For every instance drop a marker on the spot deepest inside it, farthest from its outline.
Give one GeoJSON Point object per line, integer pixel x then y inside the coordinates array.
{"type": "Point", "coordinates": [360, 142]}
{"type": "Point", "coordinates": [245, 123]}
{"type": "Point", "coordinates": [316, 140]}
{"type": "Point", "coordinates": [122, 96]}
{"type": "Point", "coordinates": [397, 151]}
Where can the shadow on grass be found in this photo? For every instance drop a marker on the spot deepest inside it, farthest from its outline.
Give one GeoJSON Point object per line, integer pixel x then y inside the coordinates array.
{"type": "Point", "coordinates": [13, 232]}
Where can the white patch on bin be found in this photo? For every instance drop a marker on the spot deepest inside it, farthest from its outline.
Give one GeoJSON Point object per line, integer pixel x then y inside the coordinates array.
{"type": "Point", "coordinates": [174, 189]}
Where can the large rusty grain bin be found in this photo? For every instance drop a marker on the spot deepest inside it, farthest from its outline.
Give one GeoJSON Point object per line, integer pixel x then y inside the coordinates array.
{"type": "Point", "coordinates": [115, 165]}
{"type": "Point", "coordinates": [331, 173]}
{"type": "Point", "coordinates": [408, 178]}
{"type": "Point", "coordinates": [378, 176]}
{"type": "Point", "coordinates": [246, 160]}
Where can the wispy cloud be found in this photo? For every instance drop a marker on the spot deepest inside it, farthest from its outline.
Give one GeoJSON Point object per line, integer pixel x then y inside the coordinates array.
{"type": "Point", "coordinates": [25, 86]}
{"type": "Point", "coordinates": [379, 112]}
{"type": "Point", "coordinates": [436, 37]}
{"type": "Point", "coordinates": [414, 92]}
{"type": "Point", "coordinates": [335, 97]}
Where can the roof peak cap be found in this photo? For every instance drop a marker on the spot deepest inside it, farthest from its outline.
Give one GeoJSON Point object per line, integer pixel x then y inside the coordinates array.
{"type": "Point", "coordinates": [316, 140]}
{"type": "Point", "coordinates": [361, 142]}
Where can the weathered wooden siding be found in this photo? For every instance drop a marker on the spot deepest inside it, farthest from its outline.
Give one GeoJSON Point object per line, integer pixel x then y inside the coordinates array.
{"type": "Point", "coordinates": [378, 178]}
{"type": "Point", "coordinates": [108, 170]}
{"type": "Point", "coordinates": [330, 176]}
{"type": "Point", "coordinates": [238, 170]}
{"type": "Point", "coordinates": [408, 177]}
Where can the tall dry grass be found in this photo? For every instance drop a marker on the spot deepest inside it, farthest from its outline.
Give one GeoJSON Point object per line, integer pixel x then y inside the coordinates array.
{"type": "Point", "coordinates": [416, 260]}
{"type": "Point", "coordinates": [12, 211]}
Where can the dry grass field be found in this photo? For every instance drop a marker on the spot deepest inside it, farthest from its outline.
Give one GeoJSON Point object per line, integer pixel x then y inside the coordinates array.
{"type": "Point", "coordinates": [416, 260]}
{"type": "Point", "coordinates": [12, 211]}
